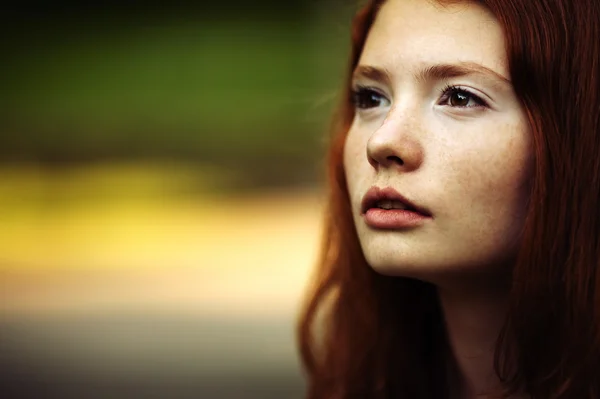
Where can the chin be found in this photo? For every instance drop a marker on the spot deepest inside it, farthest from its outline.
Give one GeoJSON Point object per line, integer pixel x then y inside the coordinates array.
{"type": "Point", "coordinates": [391, 255]}
{"type": "Point", "coordinates": [421, 255]}
{"type": "Point", "coordinates": [391, 264]}
{"type": "Point", "coordinates": [435, 268]}
{"type": "Point", "coordinates": [414, 269]}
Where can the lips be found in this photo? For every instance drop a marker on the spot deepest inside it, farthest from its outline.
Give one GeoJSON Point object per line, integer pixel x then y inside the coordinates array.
{"type": "Point", "coordinates": [389, 199]}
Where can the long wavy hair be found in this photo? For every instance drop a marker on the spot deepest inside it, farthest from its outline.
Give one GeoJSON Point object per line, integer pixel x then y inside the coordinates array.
{"type": "Point", "coordinates": [365, 335]}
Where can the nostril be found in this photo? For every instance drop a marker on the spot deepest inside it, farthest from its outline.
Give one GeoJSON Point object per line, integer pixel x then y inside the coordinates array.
{"type": "Point", "coordinates": [396, 159]}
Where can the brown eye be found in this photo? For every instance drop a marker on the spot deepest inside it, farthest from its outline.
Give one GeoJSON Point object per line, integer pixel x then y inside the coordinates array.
{"type": "Point", "coordinates": [460, 98]}
{"type": "Point", "coordinates": [364, 98]}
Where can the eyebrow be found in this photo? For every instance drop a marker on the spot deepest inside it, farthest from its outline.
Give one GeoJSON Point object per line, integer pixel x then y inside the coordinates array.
{"type": "Point", "coordinates": [372, 73]}
{"type": "Point", "coordinates": [432, 72]}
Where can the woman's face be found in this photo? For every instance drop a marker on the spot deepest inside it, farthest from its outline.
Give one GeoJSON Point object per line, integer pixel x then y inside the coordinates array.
{"type": "Point", "coordinates": [438, 130]}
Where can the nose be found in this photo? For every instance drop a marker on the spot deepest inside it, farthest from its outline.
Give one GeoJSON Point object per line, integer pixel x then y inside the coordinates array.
{"type": "Point", "coordinates": [396, 144]}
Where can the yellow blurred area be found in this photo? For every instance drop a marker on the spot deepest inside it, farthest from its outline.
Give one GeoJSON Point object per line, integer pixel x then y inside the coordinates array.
{"type": "Point", "coordinates": [154, 236]}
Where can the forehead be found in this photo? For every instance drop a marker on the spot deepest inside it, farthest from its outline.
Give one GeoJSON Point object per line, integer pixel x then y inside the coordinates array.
{"type": "Point", "coordinates": [412, 34]}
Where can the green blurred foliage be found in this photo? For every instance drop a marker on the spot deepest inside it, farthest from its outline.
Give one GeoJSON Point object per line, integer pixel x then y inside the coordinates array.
{"type": "Point", "coordinates": [250, 93]}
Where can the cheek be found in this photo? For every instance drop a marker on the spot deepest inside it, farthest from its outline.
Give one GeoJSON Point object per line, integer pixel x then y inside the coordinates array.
{"type": "Point", "coordinates": [495, 183]}
{"type": "Point", "coordinates": [497, 163]}
{"type": "Point", "coordinates": [509, 170]}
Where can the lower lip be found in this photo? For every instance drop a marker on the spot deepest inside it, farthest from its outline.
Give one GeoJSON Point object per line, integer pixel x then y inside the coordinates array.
{"type": "Point", "coordinates": [393, 218]}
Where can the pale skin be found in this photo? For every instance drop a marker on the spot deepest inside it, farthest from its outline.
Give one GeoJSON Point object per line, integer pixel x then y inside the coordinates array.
{"type": "Point", "coordinates": [437, 120]}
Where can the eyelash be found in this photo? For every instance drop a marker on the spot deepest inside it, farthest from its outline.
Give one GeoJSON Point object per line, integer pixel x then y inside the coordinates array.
{"type": "Point", "coordinates": [361, 94]}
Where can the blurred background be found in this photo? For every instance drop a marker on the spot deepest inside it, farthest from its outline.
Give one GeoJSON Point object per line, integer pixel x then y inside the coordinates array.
{"type": "Point", "coordinates": [161, 174]}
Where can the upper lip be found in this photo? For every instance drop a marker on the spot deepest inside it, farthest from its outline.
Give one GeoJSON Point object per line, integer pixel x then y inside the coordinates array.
{"type": "Point", "coordinates": [376, 194]}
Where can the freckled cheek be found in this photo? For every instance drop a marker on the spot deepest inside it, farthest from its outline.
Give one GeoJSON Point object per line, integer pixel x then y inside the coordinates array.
{"type": "Point", "coordinates": [498, 180]}
{"type": "Point", "coordinates": [511, 168]}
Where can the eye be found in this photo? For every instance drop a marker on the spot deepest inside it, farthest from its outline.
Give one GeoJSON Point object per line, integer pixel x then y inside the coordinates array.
{"type": "Point", "coordinates": [365, 98]}
{"type": "Point", "coordinates": [457, 97]}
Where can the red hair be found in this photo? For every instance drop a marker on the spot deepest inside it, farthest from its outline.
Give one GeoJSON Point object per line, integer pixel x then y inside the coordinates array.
{"type": "Point", "coordinates": [366, 335]}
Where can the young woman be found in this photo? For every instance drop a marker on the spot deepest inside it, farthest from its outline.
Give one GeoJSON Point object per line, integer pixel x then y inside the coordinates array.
{"type": "Point", "coordinates": [461, 250]}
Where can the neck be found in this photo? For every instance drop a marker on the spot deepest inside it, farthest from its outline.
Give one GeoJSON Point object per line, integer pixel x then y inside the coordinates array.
{"type": "Point", "coordinates": [474, 314]}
